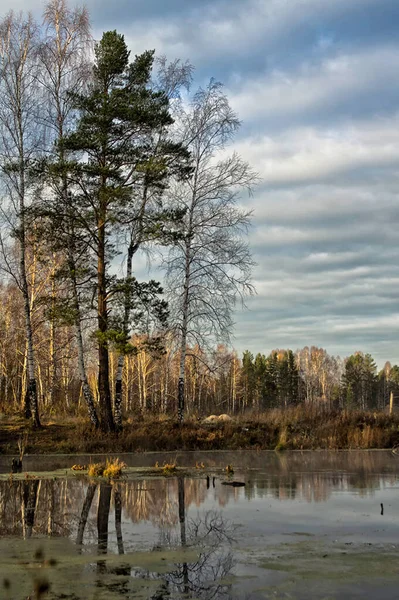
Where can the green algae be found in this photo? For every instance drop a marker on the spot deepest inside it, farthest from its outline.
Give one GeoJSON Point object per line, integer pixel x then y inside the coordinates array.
{"type": "Point", "coordinates": [315, 561]}
{"type": "Point", "coordinates": [70, 574]}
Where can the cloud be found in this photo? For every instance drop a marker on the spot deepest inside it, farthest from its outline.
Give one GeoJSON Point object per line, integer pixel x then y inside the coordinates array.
{"type": "Point", "coordinates": [35, 6]}
{"type": "Point", "coordinates": [231, 37]}
{"type": "Point", "coordinates": [316, 86]}
{"type": "Point", "coordinates": [321, 89]}
{"type": "Point", "coordinates": [325, 238]}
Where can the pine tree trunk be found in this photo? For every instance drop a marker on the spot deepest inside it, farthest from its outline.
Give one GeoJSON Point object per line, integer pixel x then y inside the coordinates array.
{"type": "Point", "coordinates": [133, 247]}
{"type": "Point", "coordinates": [121, 357]}
{"type": "Point", "coordinates": [106, 418]}
{"type": "Point", "coordinates": [104, 503]}
{"type": "Point", "coordinates": [118, 392]}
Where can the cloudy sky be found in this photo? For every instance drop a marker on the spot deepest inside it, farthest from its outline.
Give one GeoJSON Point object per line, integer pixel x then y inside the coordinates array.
{"type": "Point", "coordinates": [316, 85]}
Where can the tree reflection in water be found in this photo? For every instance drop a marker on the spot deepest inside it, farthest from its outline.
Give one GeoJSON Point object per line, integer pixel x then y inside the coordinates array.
{"type": "Point", "coordinates": [211, 536]}
{"type": "Point", "coordinates": [91, 488]}
{"type": "Point", "coordinates": [81, 510]}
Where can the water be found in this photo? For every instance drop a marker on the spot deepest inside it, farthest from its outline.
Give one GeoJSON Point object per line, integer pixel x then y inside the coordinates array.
{"type": "Point", "coordinates": [306, 525]}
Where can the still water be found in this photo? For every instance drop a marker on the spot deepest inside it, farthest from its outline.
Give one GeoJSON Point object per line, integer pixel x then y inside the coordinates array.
{"type": "Point", "coordinates": [306, 525]}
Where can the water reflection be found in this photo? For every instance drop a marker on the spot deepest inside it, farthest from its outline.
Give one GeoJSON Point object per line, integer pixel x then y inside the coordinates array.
{"type": "Point", "coordinates": [80, 510]}
{"type": "Point", "coordinates": [170, 537]}
{"type": "Point", "coordinates": [75, 508]}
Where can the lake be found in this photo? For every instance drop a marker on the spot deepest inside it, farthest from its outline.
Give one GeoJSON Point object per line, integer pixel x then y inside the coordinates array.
{"type": "Point", "coordinates": [306, 525]}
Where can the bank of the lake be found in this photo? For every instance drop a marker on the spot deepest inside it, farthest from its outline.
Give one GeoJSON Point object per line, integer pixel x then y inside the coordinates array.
{"type": "Point", "coordinates": [291, 429]}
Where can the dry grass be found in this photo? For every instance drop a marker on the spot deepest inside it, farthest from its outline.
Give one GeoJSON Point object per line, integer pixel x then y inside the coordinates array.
{"type": "Point", "coordinates": [96, 469]}
{"type": "Point", "coordinates": [167, 468]}
{"type": "Point", "coordinates": [298, 428]}
{"type": "Point", "coordinates": [114, 468]}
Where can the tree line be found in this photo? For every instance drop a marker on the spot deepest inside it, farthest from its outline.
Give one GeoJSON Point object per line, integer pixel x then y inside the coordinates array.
{"type": "Point", "coordinates": [217, 380]}
{"type": "Point", "coordinates": [104, 159]}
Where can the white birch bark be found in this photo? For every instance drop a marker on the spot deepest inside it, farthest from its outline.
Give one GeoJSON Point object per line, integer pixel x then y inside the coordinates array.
{"type": "Point", "coordinates": [210, 267]}
{"type": "Point", "coordinates": [65, 65]}
{"type": "Point", "coordinates": [18, 121]}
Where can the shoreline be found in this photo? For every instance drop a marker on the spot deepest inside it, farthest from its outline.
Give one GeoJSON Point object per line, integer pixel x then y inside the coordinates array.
{"type": "Point", "coordinates": [275, 430]}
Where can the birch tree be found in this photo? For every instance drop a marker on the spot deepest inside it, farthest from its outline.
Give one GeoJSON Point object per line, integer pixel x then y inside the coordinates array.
{"type": "Point", "coordinates": [150, 220]}
{"type": "Point", "coordinates": [209, 268]}
{"type": "Point", "coordinates": [65, 71]}
{"type": "Point", "coordinates": [21, 142]}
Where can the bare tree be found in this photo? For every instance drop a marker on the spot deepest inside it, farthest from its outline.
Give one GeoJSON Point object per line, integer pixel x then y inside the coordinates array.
{"type": "Point", "coordinates": [149, 220]}
{"type": "Point", "coordinates": [64, 57]}
{"type": "Point", "coordinates": [20, 144]}
{"type": "Point", "coordinates": [209, 267]}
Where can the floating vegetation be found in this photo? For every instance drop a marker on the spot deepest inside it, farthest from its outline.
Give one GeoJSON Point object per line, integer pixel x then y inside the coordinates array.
{"type": "Point", "coordinates": [167, 468]}
{"type": "Point", "coordinates": [79, 467]}
{"type": "Point", "coordinates": [96, 469]}
{"type": "Point", "coordinates": [112, 469]}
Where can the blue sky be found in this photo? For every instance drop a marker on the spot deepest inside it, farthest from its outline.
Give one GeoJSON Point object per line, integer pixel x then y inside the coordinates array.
{"type": "Point", "coordinates": [316, 85]}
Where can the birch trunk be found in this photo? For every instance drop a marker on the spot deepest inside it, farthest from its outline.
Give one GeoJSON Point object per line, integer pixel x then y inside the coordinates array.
{"type": "Point", "coordinates": [183, 537]}
{"type": "Point", "coordinates": [18, 104]}
{"type": "Point", "coordinates": [30, 490]}
{"type": "Point", "coordinates": [85, 512]}
{"type": "Point", "coordinates": [118, 519]}
{"type": "Point", "coordinates": [52, 348]}
{"type": "Point", "coordinates": [64, 58]}
{"type": "Point", "coordinates": [184, 328]}
{"type": "Point", "coordinates": [87, 393]}
{"type": "Point", "coordinates": [31, 408]}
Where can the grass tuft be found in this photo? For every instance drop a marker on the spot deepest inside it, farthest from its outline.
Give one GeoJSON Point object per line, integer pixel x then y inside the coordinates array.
{"type": "Point", "coordinates": [96, 470]}
{"type": "Point", "coordinates": [167, 468]}
{"type": "Point", "coordinates": [114, 468]}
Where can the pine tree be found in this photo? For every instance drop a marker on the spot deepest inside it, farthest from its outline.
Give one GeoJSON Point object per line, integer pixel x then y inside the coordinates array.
{"type": "Point", "coordinates": [359, 381]}
{"type": "Point", "coordinates": [117, 116]}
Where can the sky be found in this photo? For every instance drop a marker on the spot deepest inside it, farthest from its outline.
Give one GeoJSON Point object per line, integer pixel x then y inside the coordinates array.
{"type": "Point", "coordinates": [315, 84]}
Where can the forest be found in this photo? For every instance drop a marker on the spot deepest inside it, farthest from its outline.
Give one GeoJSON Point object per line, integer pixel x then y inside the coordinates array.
{"type": "Point", "coordinates": [109, 162]}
